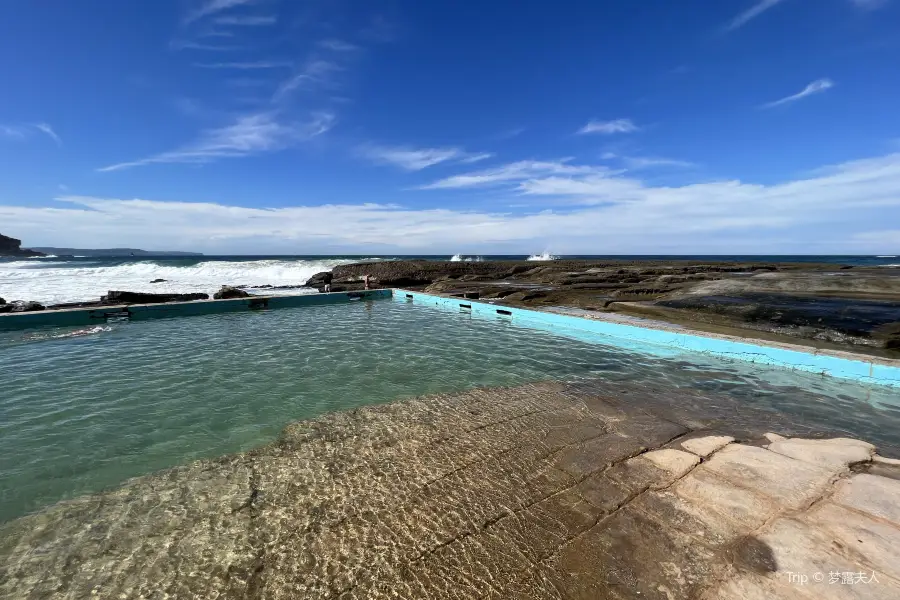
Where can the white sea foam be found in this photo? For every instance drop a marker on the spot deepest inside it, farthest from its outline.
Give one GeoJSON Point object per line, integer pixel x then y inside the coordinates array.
{"type": "Point", "coordinates": [887, 256]}
{"type": "Point", "coordinates": [461, 258]}
{"type": "Point", "coordinates": [542, 256]}
{"type": "Point", "coordinates": [53, 283]}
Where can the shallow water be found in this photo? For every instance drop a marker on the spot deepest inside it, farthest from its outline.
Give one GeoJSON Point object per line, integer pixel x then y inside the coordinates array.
{"type": "Point", "coordinates": [84, 412]}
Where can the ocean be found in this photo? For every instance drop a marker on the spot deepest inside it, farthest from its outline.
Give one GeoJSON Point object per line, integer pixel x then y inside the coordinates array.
{"type": "Point", "coordinates": [54, 280]}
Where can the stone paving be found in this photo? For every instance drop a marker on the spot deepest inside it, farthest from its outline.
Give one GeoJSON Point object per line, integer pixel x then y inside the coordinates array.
{"type": "Point", "coordinates": [544, 491]}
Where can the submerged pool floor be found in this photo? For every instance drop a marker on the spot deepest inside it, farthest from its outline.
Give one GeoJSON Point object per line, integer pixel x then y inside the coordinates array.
{"type": "Point", "coordinates": [78, 414]}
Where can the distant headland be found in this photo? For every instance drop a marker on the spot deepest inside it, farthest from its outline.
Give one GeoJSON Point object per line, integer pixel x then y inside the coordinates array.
{"type": "Point", "coordinates": [12, 247]}
{"type": "Point", "coordinates": [112, 252]}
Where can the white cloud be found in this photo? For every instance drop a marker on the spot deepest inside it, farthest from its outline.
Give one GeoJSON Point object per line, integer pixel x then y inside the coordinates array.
{"type": "Point", "coordinates": [609, 127]}
{"type": "Point", "coordinates": [337, 45]}
{"type": "Point", "coordinates": [211, 7]}
{"type": "Point", "coordinates": [836, 210]}
{"type": "Point", "coordinates": [315, 73]}
{"type": "Point", "coordinates": [250, 134]}
{"type": "Point", "coordinates": [191, 45]}
{"type": "Point", "coordinates": [517, 171]}
{"type": "Point", "coordinates": [474, 158]}
{"type": "Point", "coordinates": [47, 130]}
{"type": "Point", "coordinates": [868, 4]}
{"type": "Point", "coordinates": [816, 87]}
{"type": "Point", "coordinates": [16, 132]}
{"type": "Point", "coordinates": [410, 159]}
{"type": "Point", "coordinates": [22, 132]}
{"type": "Point", "coordinates": [649, 162]}
{"type": "Point", "coordinates": [247, 21]}
{"type": "Point", "coordinates": [751, 13]}
{"type": "Point", "coordinates": [249, 65]}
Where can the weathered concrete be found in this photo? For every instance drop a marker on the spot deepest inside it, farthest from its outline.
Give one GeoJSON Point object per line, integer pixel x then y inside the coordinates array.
{"type": "Point", "coordinates": [541, 491]}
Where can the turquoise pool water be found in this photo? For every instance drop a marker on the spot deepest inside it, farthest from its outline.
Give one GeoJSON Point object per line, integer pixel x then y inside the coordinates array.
{"type": "Point", "coordinates": [81, 413]}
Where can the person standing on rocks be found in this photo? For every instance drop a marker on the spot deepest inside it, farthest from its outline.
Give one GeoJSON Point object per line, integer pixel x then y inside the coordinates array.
{"type": "Point", "coordinates": [326, 279]}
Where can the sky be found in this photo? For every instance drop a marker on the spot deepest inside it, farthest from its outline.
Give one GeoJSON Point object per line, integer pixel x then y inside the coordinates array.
{"type": "Point", "coordinates": [501, 127]}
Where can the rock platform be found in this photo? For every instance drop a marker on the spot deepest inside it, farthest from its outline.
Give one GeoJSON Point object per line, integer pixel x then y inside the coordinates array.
{"type": "Point", "coordinates": [543, 491]}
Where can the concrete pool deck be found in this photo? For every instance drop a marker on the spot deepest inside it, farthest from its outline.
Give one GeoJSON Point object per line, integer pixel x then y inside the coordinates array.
{"type": "Point", "coordinates": [543, 491]}
{"type": "Point", "coordinates": [651, 333]}
{"type": "Point", "coordinates": [634, 331]}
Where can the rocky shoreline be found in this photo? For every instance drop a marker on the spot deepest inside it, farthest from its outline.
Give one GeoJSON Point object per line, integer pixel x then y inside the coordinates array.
{"type": "Point", "coordinates": [820, 305]}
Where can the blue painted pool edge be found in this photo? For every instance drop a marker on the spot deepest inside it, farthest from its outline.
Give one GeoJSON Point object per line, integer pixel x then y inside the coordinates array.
{"type": "Point", "coordinates": [94, 316]}
{"type": "Point", "coordinates": [862, 370]}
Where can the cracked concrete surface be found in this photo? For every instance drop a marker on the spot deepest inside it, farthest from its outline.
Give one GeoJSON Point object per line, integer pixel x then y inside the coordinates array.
{"type": "Point", "coordinates": [540, 491]}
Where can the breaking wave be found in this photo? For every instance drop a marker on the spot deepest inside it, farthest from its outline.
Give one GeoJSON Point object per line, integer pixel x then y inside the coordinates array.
{"type": "Point", "coordinates": [461, 258]}
{"type": "Point", "coordinates": [58, 282]}
{"type": "Point", "coordinates": [542, 256]}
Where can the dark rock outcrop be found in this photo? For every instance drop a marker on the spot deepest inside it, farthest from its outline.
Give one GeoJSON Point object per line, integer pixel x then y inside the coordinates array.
{"type": "Point", "coordinates": [158, 281]}
{"type": "Point", "coordinates": [12, 247]}
{"type": "Point", "coordinates": [25, 306]}
{"type": "Point", "coordinates": [119, 297]}
{"type": "Point", "coordinates": [230, 292]}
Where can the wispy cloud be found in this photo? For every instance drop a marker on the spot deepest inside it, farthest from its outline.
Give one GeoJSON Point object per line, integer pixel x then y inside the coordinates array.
{"type": "Point", "coordinates": [649, 162]}
{"type": "Point", "coordinates": [17, 132]}
{"type": "Point", "coordinates": [315, 73]}
{"type": "Point", "coordinates": [816, 87]}
{"type": "Point", "coordinates": [250, 134]}
{"type": "Point", "coordinates": [246, 21]}
{"type": "Point", "coordinates": [515, 172]}
{"type": "Point", "coordinates": [47, 130]}
{"type": "Point", "coordinates": [337, 45]}
{"type": "Point", "coordinates": [248, 65]}
{"type": "Point", "coordinates": [411, 159]}
{"type": "Point", "coordinates": [751, 13]}
{"type": "Point", "coordinates": [609, 127]}
{"type": "Point", "coordinates": [869, 4]}
{"type": "Point", "coordinates": [509, 133]}
{"type": "Point", "coordinates": [24, 131]}
{"type": "Point", "coordinates": [211, 7]}
{"type": "Point", "coordinates": [474, 158]}
{"type": "Point", "coordinates": [192, 45]}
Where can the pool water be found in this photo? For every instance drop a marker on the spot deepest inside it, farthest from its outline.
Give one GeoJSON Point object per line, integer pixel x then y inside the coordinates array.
{"type": "Point", "coordinates": [82, 412]}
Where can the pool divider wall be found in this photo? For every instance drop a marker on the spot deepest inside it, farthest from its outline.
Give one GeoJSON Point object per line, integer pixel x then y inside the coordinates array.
{"type": "Point", "coordinates": [98, 316]}
{"type": "Point", "coordinates": [860, 367]}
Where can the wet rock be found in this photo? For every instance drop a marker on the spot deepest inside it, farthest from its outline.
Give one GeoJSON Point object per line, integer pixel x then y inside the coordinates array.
{"type": "Point", "coordinates": [158, 281]}
{"type": "Point", "coordinates": [227, 292]}
{"type": "Point", "coordinates": [317, 280]}
{"type": "Point", "coordinates": [26, 306]}
{"type": "Point", "coordinates": [124, 297]}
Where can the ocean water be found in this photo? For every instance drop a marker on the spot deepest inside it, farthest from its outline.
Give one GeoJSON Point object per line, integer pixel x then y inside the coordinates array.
{"type": "Point", "coordinates": [54, 280]}
{"type": "Point", "coordinates": [81, 411]}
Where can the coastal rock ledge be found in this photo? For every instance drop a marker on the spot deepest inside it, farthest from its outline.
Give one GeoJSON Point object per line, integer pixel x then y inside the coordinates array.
{"type": "Point", "coordinates": [544, 491]}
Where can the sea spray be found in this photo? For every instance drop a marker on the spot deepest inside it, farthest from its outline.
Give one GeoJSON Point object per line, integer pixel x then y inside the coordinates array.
{"type": "Point", "coordinates": [53, 282]}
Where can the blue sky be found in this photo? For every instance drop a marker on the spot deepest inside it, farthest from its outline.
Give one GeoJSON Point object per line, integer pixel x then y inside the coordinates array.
{"type": "Point", "coordinates": [322, 126]}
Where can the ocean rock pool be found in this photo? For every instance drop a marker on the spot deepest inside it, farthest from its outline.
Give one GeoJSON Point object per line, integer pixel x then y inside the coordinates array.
{"type": "Point", "coordinates": [82, 413]}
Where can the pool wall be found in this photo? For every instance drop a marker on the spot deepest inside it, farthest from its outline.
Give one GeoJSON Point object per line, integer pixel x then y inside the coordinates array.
{"type": "Point", "coordinates": [96, 316]}
{"type": "Point", "coordinates": [859, 367]}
